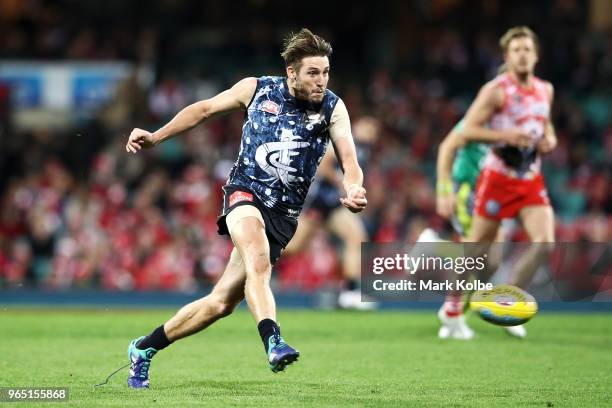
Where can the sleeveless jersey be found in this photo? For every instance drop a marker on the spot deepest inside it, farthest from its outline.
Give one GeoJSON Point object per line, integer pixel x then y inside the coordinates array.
{"type": "Point", "coordinates": [283, 141]}
{"type": "Point", "coordinates": [526, 109]}
{"type": "Point", "coordinates": [468, 161]}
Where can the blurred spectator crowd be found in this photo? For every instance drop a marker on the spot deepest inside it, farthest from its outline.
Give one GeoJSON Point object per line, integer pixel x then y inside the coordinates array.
{"type": "Point", "coordinates": [76, 210]}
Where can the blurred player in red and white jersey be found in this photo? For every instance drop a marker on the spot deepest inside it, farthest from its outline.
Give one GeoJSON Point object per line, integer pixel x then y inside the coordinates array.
{"type": "Point", "coordinates": [515, 106]}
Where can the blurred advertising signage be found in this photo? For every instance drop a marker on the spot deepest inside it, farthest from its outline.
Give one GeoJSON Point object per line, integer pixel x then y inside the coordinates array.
{"type": "Point", "coordinates": [63, 86]}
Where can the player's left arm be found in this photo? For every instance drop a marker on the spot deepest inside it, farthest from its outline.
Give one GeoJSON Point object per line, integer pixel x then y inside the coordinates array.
{"type": "Point", "coordinates": [344, 146]}
{"type": "Point", "coordinates": [445, 197]}
{"type": "Point", "coordinates": [549, 141]}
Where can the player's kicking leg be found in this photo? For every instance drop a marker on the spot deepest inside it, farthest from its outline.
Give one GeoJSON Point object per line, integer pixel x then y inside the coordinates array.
{"type": "Point", "coordinates": [192, 318]}
{"type": "Point", "coordinates": [247, 229]}
{"type": "Point", "coordinates": [247, 274]}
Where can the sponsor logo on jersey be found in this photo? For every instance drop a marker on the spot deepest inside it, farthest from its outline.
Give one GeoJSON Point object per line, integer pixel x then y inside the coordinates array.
{"type": "Point", "coordinates": [270, 107]}
{"type": "Point", "coordinates": [238, 196]}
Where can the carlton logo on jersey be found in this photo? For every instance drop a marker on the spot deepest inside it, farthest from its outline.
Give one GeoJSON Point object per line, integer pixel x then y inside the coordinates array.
{"type": "Point", "coordinates": [275, 158]}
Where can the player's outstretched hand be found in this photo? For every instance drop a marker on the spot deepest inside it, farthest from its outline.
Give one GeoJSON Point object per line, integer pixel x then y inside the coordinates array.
{"type": "Point", "coordinates": [445, 205]}
{"type": "Point", "coordinates": [355, 199]}
{"type": "Point", "coordinates": [139, 139]}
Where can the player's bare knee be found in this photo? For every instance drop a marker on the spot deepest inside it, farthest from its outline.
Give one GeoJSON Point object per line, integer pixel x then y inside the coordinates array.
{"type": "Point", "coordinates": [222, 306]}
{"type": "Point", "coordinates": [259, 266]}
{"type": "Point", "coordinates": [225, 308]}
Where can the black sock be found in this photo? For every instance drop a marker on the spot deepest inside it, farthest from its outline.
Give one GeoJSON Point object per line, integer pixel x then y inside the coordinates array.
{"type": "Point", "coordinates": [157, 339]}
{"type": "Point", "coordinates": [352, 284]}
{"type": "Point", "coordinates": [267, 328]}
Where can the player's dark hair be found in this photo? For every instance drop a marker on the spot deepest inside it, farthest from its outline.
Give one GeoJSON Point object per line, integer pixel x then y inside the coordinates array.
{"type": "Point", "coordinates": [518, 32]}
{"type": "Point", "coordinates": [304, 44]}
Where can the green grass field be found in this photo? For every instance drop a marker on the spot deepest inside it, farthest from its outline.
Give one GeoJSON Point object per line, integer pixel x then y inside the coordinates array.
{"type": "Point", "coordinates": [348, 359]}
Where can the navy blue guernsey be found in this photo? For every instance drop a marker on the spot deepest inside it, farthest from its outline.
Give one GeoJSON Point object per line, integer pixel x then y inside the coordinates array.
{"type": "Point", "coordinates": [283, 141]}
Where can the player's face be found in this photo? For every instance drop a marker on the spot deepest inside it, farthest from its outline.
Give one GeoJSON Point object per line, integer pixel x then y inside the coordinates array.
{"type": "Point", "coordinates": [310, 82]}
{"type": "Point", "coordinates": [521, 55]}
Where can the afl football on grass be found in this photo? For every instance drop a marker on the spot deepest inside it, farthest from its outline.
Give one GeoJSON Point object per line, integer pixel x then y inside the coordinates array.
{"type": "Point", "coordinates": [504, 305]}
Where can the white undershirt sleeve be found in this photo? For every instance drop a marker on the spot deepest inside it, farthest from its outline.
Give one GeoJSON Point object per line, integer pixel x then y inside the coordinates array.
{"type": "Point", "coordinates": [340, 125]}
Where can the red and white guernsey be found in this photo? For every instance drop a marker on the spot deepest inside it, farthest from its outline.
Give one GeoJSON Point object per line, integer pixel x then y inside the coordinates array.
{"type": "Point", "coordinates": [524, 108]}
{"type": "Point", "coordinates": [510, 179]}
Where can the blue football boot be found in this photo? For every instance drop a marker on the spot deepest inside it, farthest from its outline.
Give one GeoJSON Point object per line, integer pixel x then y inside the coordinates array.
{"type": "Point", "coordinates": [280, 354]}
{"type": "Point", "coordinates": [141, 361]}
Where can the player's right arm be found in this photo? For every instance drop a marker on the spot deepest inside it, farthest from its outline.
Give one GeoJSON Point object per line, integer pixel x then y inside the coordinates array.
{"type": "Point", "coordinates": [445, 198]}
{"type": "Point", "coordinates": [235, 98]}
{"type": "Point", "coordinates": [489, 100]}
